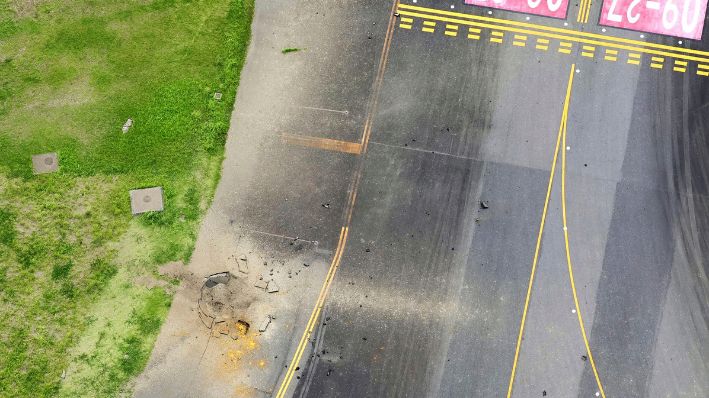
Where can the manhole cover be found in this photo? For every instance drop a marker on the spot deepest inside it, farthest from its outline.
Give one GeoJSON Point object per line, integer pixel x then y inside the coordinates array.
{"type": "Point", "coordinates": [147, 199]}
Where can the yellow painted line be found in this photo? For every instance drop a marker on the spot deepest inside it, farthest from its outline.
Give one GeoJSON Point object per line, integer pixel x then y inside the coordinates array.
{"type": "Point", "coordinates": [565, 51]}
{"type": "Point", "coordinates": [519, 43]}
{"type": "Point", "coordinates": [611, 52]}
{"type": "Point", "coordinates": [474, 30]}
{"type": "Point", "coordinates": [582, 8]}
{"type": "Point", "coordinates": [449, 33]}
{"type": "Point", "coordinates": [474, 37]}
{"type": "Point", "coordinates": [565, 44]}
{"type": "Point", "coordinates": [452, 27]}
{"type": "Point", "coordinates": [543, 41]}
{"type": "Point", "coordinates": [570, 267]}
{"type": "Point", "coordinates": [429, 23]}
{"type": "Point", "coordinates": [682, 63]}
{"type": "Point", "coordinates": [633, 55]}
{"type": "Point", "coordinates": [589, 48]}
{"type": "Point", "coordinates": [407, 20]}
{"type": "Point", "coordinates": [610, 58]}
{"type": "Point", "coordinates": [327, 144]}
{"type": "Point", "coordinates": [700, 66]}
{"type": "Point", "coordinates": [312, 321]}
{"type": "Point", "coordinates": [634, 62]}
{"type": "Point", "coordinates": [495, 40]}
{"type": "Point", "coordinates": [404, 26]}
{"type": "Point", "coordinates": [556, 33]}
{"type": "Point", "coordinates": [586, 54]}
{"type": "Point", "coordinates": [495, 33]}
{"type": "Point", "coordinates": [520, 37]}
{"type": "Point", "coordinates": [542, 47]}
{"type": "Point", "coordinates": [588, 11]}
{"type": "Point", "coordinates": [702, 73]}
{"type": "Point", "coordinates": [429, 30]}
{"type": "Point", "coordinates": [656, 66]}
{"type": "Point", "coordinates": [658, 59]}
{"type": "Point", "coordinates": [679, 69]}
{"type": "Point", "coordinates": [537, 248]}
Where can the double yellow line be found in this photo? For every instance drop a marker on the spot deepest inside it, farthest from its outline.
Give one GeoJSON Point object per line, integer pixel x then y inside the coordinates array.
{"type": "Point", "coordinates": [560, 141]}
{"type": "Point", "coordinates": [584, 10]}
{"type": "Point", "coordinates": [313, 320]}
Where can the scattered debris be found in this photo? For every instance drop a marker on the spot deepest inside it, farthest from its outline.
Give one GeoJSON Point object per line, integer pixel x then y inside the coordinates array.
{"type": "Point", "coordinates": [221, 327]}
{"type": "Point", "coordinates": [45, 163]}
{"type": "Point", "coordinates": [544, 393]}
{"type": "Point", "coordinates": [218, 96]}
{"type": "Point", "coordinates": [326, 205]}
{"type": "Point", "coordinates": [484, 204]}
{"type": "Point", "coordinates": [306, 265]}
{"type": "Point", "coordinates": [243, 264]}
{"type": "Point", "coordinates": [264, 324]}
{"type": "Point", "coordinates": [272, 286]}
{"type": "Point", "coordinates": [261, 284]}
{"type": "Point", "coordinates": [584, 358]}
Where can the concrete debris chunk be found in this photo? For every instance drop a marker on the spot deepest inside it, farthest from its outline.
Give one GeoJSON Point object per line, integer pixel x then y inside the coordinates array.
{"type": "Point", "coordinates": [243, 264]}
{"type": "Point", "coordinates": [264, 324]}
{"type": "Point", "coordinates": [215, 279]}
{"type": "Point", "coordinates": [127, 125]}
{"type": "Point", "coordinates": [45, 163]}
{"type": "Point", "coordinates": [272, 286]}
{"type": "Point", "coordinates": [221, 327]}
{"type": "Point", "coordinates": [484, 204]}
{"type": "Point", "coordinates": [261, 284]}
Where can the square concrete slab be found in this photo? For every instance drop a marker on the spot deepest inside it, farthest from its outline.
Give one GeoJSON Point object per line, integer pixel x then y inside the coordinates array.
{"type": "Point", "coordinates": [45, 163]}
{"type": "Point", "coordinates": [145, 200]}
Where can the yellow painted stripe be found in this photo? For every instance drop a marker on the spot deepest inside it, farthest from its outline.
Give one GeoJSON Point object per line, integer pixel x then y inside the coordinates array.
{"type": "Point", "coordinates": [570, 267]}
{"type": "Point", "coordinates": [449, 33]}
{"type": "Point", "coordinates": [473, 30]}
{"type": "Point", "coordinates": [611, 52]}
{"type": "Point", "coordinates": [588, 11]}
{"type": "Point", "coordinates": [452, 27]}
{"type": "Point", "coordinates": [565, 51]}
{"type": "Point", "coordinates": [702, 73]}
{"type": "Point", "coordinates": [656, 66]}
{"type": "Point", "coordinates": [495, 40]}
{"type": "Point", "coordinates": [658, 59]}
{"type": "Point", "coordinates": [565, 44]}
{"type": "Point", "coordinates": [589, 48]}
{"type": "Point", "coordinates": [544, 41]}
{"type": "Point", "coordinates": [537, 248]}
{"type": "Point", "coordinates": [407, 20]}
{"type": "Point", "coordinates": [429, 23]}
{"type": "Point", "coordinates": [700, 66]}
{"type": "Point", "coordinates": [429, 30]}
{"type": "Point", "coordinates": [678, 62]}
{"type": "Point", "coordinates": [679, 69]}
{"type": "Point", "coordinates": [542, 47]}
{"type": "Point", "coordinates": [587, 54]}
{"type": "Point", "coordinates": [610, 58]}
{"type": "Point", "coordinates": [520, 37]}
{"type": "Point", "coordinates": [519, 43]}
{"type": "Point", "coordinates": [557, 33]}
{"type": "Point", "coordinates": [474, 37]}
{"type": "Point", "coordinates": [496, 33]}
{"type": "Point", "coordinates": [634, 62]}
{"type": "Point", "coordinates": [404, 26]}
{"type": "Point", "coordinates": [634, 55]}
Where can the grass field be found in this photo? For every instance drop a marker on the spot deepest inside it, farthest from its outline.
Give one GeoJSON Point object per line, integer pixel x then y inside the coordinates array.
{"type": "Point", "coordinates": [73, 261]}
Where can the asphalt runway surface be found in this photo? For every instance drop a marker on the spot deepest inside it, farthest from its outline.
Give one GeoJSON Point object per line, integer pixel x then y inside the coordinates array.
{"type": "Point", "coordinates": [431, 286]}
{"type": "Point", "coordinates": [465, 181]}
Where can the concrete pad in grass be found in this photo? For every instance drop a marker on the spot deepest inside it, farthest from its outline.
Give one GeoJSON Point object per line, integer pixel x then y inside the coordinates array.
{"type": "Point", "coordinates": [146, 200]}
{"type": "Point", "coordinates": [45, 163]}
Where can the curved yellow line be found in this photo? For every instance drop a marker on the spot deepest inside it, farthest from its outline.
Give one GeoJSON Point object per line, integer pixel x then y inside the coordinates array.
{"type": "Point", "coordinates": [571, 271]}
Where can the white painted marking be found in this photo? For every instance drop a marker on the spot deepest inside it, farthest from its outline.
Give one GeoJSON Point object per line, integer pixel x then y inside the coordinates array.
{"type": "Point", "coordinates": [452, 6]}
{"type": "Point", "coordinates": [653, 5]}
{"type": "Point", "coordinates": [568, 148]}
{"type": "Point", "coordinates": [598, 393]}
{"type": "Point", "coordinates": [578, 70]}
{"type": "Point", "coordinates": [527, 18]}
{"type": "Point", "coordinates": [603, 30]}
{"type": "Point", "coordinates": [573, 311]}
{"type": "Point", "coordinates": [566, 24]}
{"type": "Point", "coordinates": [679, 42]}
{"type": "Point", "coordinates": [325, 110]}
{"type": "Point", "coordinates": [489, 12]}
{"type": "Point", "coordinates": [642, 36]}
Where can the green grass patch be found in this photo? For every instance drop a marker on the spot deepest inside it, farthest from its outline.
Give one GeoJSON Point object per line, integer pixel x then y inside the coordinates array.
{"type": "Point", "coordinates": [71, 73]}
{"type": "Point", "coordinates": [290, 50]}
